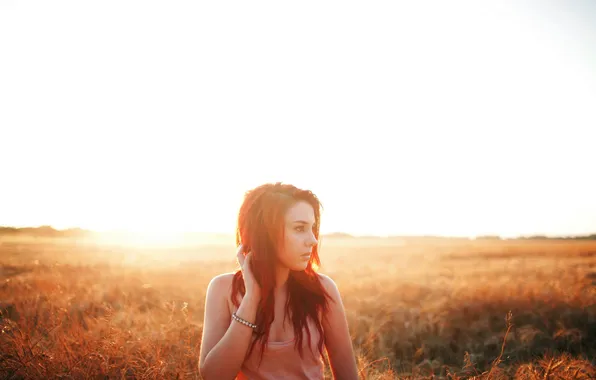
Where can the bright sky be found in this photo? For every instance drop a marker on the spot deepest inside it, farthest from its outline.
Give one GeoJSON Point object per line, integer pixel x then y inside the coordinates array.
{"type": "Point", "coordinates": [456, 118]}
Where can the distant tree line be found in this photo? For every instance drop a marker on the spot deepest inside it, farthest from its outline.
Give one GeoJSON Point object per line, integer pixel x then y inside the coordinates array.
{"type": "Point", "coordinates": [540, 237]}
{"type": "Point", "coordinates": [44, 231]}
{"type": "Point", "coordinates": [48, 231]}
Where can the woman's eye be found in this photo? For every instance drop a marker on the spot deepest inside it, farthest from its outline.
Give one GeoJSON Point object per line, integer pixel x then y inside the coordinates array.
{"type": "Point", "coordinates": [300, 229]}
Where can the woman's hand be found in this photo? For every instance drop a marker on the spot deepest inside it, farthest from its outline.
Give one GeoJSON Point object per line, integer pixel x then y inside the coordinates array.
{"type": "Point", "coordinates": [253, 289]}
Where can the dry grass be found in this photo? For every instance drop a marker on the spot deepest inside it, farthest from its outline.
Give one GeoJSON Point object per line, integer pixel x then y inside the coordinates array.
{"type": "Point", "coordinates": [442, 309]}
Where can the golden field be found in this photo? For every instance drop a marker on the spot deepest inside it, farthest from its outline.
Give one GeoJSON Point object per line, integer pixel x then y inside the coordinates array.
{"type": "Point", "coordinates": [416, 308]}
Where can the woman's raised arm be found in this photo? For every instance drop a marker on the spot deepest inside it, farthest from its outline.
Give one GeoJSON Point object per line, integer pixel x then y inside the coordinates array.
{"type": "Point", "coordinates": [224, 344]}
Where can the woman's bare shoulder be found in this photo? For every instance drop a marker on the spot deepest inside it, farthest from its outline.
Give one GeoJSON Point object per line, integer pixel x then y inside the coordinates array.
{"type": "Point", "coordinates": [221, 283]}
{"type": "Point", "coordinates": [326, 280]}
{"type": "Point", "coordinates": [220, 287]}
{"type": "Point", "coordinates": [329, 285]}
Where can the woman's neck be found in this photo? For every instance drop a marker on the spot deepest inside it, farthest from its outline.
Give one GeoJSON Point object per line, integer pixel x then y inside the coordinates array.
{"type": "Point", "coordinates": [281, 279]}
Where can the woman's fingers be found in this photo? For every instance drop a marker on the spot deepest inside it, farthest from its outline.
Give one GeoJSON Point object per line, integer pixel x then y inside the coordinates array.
{"type": "Point", "coordinates": [243, 260]}
{"type": "Point", "coordinates": [240, 255]}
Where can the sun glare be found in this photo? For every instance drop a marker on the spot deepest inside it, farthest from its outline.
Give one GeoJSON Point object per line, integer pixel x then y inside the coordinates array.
{"type": "Point", "coordinates": [142, 239]}
{"type": "Point", "coordinates": [455, 125]}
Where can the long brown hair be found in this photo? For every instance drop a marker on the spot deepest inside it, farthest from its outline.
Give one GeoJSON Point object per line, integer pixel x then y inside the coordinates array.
{"type": "Point", "coordinates": [260, 230]}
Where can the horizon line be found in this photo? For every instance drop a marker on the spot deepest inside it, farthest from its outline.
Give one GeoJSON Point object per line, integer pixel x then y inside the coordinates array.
{"type": "Point", "coordinates": [346, 234]}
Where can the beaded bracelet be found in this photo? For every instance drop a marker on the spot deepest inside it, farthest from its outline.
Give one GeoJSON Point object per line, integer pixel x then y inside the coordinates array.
{"type": "Point", "coordinates": [244, 322]}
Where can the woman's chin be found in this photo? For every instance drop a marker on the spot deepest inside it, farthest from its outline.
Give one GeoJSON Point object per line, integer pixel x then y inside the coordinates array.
{"type": "Point", "coordinates": [300, 267]}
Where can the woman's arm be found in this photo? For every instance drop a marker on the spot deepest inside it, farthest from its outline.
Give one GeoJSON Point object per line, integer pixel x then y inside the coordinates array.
{"type": "Point", "coordinates": [338, 342]}
{"type": "Point", "coordinates": [225, 342]}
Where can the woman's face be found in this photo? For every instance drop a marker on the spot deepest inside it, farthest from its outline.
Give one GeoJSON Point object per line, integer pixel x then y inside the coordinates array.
{"type": "Point", "coordinates": [299, 237]}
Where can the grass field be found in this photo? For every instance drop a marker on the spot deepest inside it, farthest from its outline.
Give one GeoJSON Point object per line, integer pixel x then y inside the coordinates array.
{"type": "Point", "coordinates": [416, 308]}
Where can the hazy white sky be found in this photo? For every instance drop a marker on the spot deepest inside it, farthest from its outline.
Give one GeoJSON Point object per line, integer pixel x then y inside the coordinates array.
{"type": "Point", "coordinates": [452, 118]}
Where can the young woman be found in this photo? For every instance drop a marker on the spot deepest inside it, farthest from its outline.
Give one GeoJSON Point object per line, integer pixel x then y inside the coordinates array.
{"type": "Point", "coordinates": [272, 317]}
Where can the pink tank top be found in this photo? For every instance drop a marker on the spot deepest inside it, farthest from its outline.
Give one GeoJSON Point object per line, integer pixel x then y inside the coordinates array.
{"type": "Point", "coordinates": [282, 361]}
